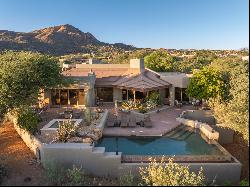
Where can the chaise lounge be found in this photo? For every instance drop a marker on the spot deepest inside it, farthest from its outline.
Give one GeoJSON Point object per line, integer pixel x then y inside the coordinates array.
{"type": "Point", "coordinates": [132, 121]}
{"type": "Point", "coordinates": [124, 121]}
{"type": "Point", "coordinates": [147, 122]}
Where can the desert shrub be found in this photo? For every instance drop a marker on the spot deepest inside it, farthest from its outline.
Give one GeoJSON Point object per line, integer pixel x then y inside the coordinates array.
{"type": "Point", "coordinates": [27, 119]}
{"type": "Point", "coordinates": [59, 176]}
{"type": "Point", "coordinates": [244, 182]}
{"type": "Point", "coordinates": [75, 176]}
{"type": "Point", "coordinates": [54, 173]}
{"type": "Point", "coordinates": [127, 180]}
{"type": "Point", "coordinates": [170, 174]}
{"type": "Point", "coordinates": [154, 97]}
{"type": "Point", "coordinates": [66, 130]}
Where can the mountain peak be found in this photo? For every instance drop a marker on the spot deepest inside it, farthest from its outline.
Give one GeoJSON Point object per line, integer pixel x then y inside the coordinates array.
{"type": "Point", "coordinates": [60, 39]}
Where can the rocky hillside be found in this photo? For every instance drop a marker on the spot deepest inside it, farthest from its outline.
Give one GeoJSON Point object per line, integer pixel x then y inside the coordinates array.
{"type": "Point", "coordinates": [58, 40]}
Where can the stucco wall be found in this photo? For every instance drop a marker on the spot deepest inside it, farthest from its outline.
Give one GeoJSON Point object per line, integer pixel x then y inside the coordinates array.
{"type": "Point", "coordinates": [117, 94]}
{"type": "Point", "coordinates": [221, 172]}
{"type": "Point", "coordinates": [180, 80]}
{"type": "Point", "coordinates": [98, 162]}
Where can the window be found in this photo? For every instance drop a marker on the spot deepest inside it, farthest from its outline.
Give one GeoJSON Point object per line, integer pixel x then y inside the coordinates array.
{"type": "Point", "coordinates": [124, 94]}
{"type": "Point", "coordinates": [73, 97]}
{"type": "Point", "coordinates": [167, 93]}
{"type": "Point", "coordinates": [105, 94]}
{"type": "Point", "coordinates": [55, 99]}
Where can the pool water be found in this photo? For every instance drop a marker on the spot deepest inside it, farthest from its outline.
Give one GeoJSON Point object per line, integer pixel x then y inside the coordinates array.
{"type": "Point", "coordinates": [193, 145]}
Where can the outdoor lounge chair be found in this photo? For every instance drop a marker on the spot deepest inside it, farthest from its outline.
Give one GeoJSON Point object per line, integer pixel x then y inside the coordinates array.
{"type": "Point", "coordinates": [110, 123]}
{"type": "Point", "coordinates": [132, 121]}
{"type": "Point", "coordinates": [124, 121]}
{"type": "Point", "coordinates": [147, 122]}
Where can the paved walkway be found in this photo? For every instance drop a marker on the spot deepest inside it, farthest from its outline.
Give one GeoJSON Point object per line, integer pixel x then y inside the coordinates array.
{"type": "Point", "coordinates": [162, 123]}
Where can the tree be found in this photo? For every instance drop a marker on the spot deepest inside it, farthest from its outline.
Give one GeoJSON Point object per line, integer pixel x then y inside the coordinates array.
{"type": "Point", "coordinates": [206, 83]}
{"type": "Point", "coordinates": [22, 75]}
{"type": "Point", "coordinates": [233, 113]}
{"type": "Point", "coordinates": [159, 61]}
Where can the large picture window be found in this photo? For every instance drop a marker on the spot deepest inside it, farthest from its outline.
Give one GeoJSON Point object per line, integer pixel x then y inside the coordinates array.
{"type": "Point", "coordinates": [55, 97]}
{"type": "Point", "coordinates": [105, 94]}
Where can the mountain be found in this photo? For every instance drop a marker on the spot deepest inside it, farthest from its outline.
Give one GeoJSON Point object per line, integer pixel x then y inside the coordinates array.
{"type": "Point", "coordinates": [57, 40]}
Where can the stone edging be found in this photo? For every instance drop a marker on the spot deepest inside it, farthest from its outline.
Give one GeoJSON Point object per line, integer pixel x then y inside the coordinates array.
{"type": "Point", "coordinates": [206, 129]}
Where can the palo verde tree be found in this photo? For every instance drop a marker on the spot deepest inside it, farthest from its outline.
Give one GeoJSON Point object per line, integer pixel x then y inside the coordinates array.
{"type": "Point", "coordinates": [22, 75]}
{"type": "Point", "coordinates": [206, 83]}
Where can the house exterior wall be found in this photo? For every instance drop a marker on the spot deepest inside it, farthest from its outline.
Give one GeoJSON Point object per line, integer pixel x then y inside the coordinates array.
{"type": "Point", "coordinates": [171, 95]}
{"type": "Point", "coordinates": [180, 80]}
{"type": "Point", "coordinates": [117, 94]}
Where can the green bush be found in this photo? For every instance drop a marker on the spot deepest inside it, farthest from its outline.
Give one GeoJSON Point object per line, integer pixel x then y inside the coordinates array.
{"type": "Point", "coordinates": [244, 182]}
{"type": "Point", "coordinates": [66, 130]}
{"type": "Point", "coordinates": [170, 174]}
{"type": "Point", "coordinates": [75, 176]}
{"type": "Point", "coordinates": [127, 180]}
{"type": "Point", "coordinates": [154, 97]}
{"type": "Point", "coordinates": [28, 120]}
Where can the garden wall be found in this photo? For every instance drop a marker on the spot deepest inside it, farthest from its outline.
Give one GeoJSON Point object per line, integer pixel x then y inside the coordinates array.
{"type": "Point", "coordinates": [30, 140]}
{"type": "Point", "coordinates": [207, 124]}
{"type": "Point", "coordinates": [98, 162]}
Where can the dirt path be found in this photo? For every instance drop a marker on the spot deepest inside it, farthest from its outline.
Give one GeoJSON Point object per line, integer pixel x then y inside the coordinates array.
{"type": "Point", "coordinates": [21, 165]}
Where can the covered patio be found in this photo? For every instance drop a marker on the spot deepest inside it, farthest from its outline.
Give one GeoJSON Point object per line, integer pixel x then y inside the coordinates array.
{"type": "Point", "coordinates": [139, 86]}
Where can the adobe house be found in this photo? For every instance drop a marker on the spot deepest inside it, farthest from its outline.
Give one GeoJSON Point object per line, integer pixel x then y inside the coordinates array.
{"type": "Point", "coordinates": [111, 82]}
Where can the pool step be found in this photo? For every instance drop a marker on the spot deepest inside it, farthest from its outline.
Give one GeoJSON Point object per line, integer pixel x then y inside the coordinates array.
{"type": "Point", "coordinates": [179, 133]}
{"type": "Point", "coordinates": [174, 131]}
{"type": "Point", "coordinates": [185, 135]}
{"type": "Point", "coordinates": [98, 150]}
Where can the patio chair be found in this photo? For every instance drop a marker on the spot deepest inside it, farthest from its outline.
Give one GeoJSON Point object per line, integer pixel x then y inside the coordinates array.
{"type": "Point", "coordinates": [124, 121]}
{"type": "Point", "coordinates": [110, 123]}
{"type": "Point", "coordinates": [147, 122]}
{"type": "Point", "coordinates": [178, 104]}
{"type": "Point", "coordinates": [77, 115]}
{"type": "Point", "coordinates": [132, 121]}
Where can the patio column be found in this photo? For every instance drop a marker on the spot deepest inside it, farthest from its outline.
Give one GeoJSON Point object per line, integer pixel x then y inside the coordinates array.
{"type": "Point", "coordinates": [134, 95]}
{"type": "Point", "coordinates": [68, 98]}
{"type": "Point", "coordinates": [127, 94]}
{"type": "Point", "coordinates": [181, 94]}
{"type": "Point", "coordinates": [171, 95]}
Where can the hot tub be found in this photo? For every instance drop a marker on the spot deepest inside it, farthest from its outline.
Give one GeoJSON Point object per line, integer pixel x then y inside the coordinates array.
{"type": "Point", "coordinates": [50, 130]}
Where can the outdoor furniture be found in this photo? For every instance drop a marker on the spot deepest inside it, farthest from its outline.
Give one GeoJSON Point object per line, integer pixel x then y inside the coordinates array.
{"type": "Point", "coordinates": [178, 104]}
{"type": "Point", "coordinates": [132, 121]}
{"type": "Point", "coordinates": [124, 121]}
{"type": "Point", "coordinates": [68, 114]}
{"type": "Point", "coordinates": [147, 122]}
{"type": "Point", "coordinates": [110, 123]}
{"type": "Point", "coordinates": [77, 115]}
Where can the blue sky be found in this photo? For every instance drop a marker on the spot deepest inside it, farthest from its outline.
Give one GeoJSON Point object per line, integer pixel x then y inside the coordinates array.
{"type": "Point", "coordinates": [180, 24]}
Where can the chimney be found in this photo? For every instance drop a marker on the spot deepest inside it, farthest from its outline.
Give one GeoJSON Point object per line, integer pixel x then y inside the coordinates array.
{"type": "Point", "coordinates": [137, 64]}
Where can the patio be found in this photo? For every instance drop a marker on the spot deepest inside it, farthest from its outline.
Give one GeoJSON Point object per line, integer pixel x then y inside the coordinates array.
{"type": "Point", "coordinates": [162, 123]}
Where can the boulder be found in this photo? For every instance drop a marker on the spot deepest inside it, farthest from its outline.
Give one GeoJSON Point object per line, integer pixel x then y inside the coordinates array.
{"type": "Point", "coordinates": [87, 140]}
{"type": "Point", "coordinates": [75, 140]}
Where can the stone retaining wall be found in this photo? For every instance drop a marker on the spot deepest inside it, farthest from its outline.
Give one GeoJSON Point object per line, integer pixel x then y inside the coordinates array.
{"type": "Point", "coordinates": [30, 140]}
{"type": "Point", "coordinates": [206, 129]}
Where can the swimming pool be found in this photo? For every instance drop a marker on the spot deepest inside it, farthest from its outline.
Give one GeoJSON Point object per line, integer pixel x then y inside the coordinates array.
{"type": "Point", "coordinates": [192, 145]}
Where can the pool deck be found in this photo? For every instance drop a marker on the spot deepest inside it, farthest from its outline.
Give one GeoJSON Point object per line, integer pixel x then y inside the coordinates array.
{"type": "Point", "coordinates": [162, 123]}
